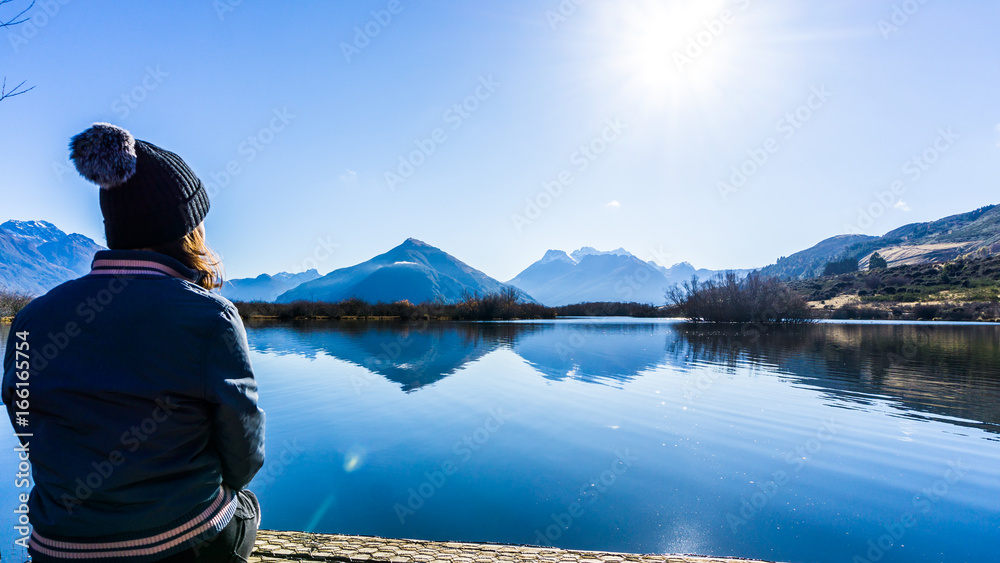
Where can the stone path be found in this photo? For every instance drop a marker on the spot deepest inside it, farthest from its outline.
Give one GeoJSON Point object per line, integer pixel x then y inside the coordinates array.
{"type": "Point", "coordinates": [299, 546]}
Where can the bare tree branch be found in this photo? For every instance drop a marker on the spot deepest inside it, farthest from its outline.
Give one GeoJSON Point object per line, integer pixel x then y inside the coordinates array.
{"type": "Point", "coordinates": [19, 18]}
{"type": "Point", "coordinates": [16, 91]}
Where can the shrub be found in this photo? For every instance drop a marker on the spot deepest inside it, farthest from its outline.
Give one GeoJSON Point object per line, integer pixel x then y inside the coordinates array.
{"type": "Point", "coordinates": [926, 311]}
{"type": "Point", "coordinates": [728, 298]}
{"type": "Point", "coordinates": [12, 301]}
{"type": "Point", "coordinates": [845, 266]}
{"type": "Point", "coordinates": [854, 312]}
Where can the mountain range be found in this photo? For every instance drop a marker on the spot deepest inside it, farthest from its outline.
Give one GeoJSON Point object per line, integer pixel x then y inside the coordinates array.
{"type": "Point", "coordinates": [587, 275]}
{"type": "Point", "coordinates": [265, 287]}
{"type": "Point", "coordinates": [35, 256]}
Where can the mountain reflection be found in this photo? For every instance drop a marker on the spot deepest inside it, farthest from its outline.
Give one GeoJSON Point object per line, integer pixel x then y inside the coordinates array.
{"type": "Point", "coordinates": [941, 371]}
{"type": "Point", "coordinates": [596, 353]}
{"type": "Point", "coordinates": [418, 354]}
{"type": "Point", "coordinates": [410, 354]}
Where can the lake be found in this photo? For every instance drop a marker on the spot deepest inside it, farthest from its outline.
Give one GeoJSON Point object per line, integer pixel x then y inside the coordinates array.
{"type": "Point", "coordinates": [834, 442]}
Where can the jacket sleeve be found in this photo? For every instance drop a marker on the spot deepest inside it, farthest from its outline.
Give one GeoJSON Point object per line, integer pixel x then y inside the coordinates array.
{"type": "Point", "coordinates": [237, 421]}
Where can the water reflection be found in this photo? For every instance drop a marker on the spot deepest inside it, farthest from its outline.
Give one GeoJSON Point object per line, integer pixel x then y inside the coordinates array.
{"type": "Point", "coordinates": [942, 371]}
{"type": "Point", "coordinates": [937, 371]}
{"type": "Point", "coordinates": [411, 354]}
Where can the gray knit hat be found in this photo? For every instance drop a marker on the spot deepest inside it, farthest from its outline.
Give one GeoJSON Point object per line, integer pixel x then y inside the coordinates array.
{"type": "Point", "coordinates": [149, 196]}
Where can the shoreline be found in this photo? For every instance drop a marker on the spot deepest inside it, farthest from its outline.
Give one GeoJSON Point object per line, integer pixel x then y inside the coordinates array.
{"type": "Point", "coordinates": [274, 546]}
{"type": "Point", "coordinates": [825, 320]}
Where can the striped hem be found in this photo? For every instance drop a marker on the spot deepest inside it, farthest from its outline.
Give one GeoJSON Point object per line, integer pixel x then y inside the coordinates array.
{"type": "Point", "coordinates": [209, 523]}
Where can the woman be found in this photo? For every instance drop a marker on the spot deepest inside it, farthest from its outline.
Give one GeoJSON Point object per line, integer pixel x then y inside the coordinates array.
{"type": "Point", "coordinates": [142, 420]}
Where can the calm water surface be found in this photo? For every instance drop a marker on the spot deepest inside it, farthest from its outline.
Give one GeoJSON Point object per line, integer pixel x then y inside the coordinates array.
{"type": "Point", "coordinates": [825, 443]}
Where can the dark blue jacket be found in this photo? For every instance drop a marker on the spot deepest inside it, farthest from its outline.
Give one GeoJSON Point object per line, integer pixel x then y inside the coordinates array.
{"type": "Point", "coordinates": [142, 409]}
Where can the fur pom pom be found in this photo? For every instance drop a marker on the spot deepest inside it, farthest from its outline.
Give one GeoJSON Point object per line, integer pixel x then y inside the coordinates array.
{"type": "Point", "coordinates": [104, 154]}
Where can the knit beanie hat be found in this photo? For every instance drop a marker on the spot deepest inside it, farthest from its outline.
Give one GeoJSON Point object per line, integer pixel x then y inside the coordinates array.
{"type": "Point", "coordinates": [149, 196]}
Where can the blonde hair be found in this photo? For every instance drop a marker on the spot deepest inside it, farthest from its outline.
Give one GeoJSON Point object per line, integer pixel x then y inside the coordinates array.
{"type": "Point", "coordinates": [192, 251]}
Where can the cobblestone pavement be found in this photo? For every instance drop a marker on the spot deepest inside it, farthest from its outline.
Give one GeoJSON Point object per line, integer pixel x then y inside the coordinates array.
{"type": "Point", "coordinates": [298, 546]}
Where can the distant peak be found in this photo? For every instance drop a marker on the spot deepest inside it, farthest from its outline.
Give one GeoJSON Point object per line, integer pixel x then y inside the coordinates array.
{"type": "Point", "coordinates": [414, 242]}
{"type": "Point", "coordinates": [591, 251]}
{"type": "Point", "coordinates": [35, 229]}
{"type": "Point", "coordinates": [14, 223]}
{"type": "Point", "coordinates": [556, 256]}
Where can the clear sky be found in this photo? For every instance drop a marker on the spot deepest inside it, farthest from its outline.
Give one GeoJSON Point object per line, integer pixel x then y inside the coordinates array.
{"type": "Point", "coordinates": [332, 131]}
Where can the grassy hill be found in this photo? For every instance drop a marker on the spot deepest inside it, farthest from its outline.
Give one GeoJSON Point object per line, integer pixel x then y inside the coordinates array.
{"type": "Point", "coordinates": [966, 288]}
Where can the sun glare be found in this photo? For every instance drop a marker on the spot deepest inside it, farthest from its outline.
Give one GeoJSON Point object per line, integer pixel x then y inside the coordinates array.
{"type": "Point", "coordinates": [674, 54]}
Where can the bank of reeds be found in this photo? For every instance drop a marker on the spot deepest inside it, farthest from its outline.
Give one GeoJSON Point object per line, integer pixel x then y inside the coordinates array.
{"type": "Point", "coordinates": [968, 311]}
{"type": "Point", "coordinates": [504, 305]}
{"type": "Point", "coordinates": [613, 309]}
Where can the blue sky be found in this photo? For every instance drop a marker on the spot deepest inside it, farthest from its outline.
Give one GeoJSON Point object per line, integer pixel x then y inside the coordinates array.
{"type": "Point", "coordinates": [328, 132]}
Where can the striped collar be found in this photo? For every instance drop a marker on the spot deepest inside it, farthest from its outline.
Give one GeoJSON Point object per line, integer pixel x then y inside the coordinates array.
{"type": "Point", "coordinates": [140, 262]}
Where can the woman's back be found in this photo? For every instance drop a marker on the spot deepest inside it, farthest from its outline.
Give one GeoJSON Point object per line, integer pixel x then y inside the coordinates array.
{"type": "Point", "coordinates": [143, 428]}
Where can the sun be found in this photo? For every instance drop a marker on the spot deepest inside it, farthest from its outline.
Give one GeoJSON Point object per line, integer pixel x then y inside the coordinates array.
{"type": "Point", "coordinates": [677, 53]}
{"type": "Point", "coordinates": [657, 39]}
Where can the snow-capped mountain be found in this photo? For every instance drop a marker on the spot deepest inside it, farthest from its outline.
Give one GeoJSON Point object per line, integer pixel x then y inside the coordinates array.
{"type": "Point", "coordinates": [36, 256]}
{"type": "Point", "coordinates": [414, 271]}
{"type": "Point", "coordinates": [265, 287]}
{"type": "Point", "coordinates": [588, 274]}
{"type": "Point", "coordinates": [591, 251]}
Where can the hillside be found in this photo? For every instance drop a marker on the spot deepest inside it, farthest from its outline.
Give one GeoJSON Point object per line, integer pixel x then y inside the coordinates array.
{"type": "Point", "coordinates": [966, 234]}
{"type": "Point", "coordinates": [35, 256]}
{"type": "Point", "coordinates": [962, 289]}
